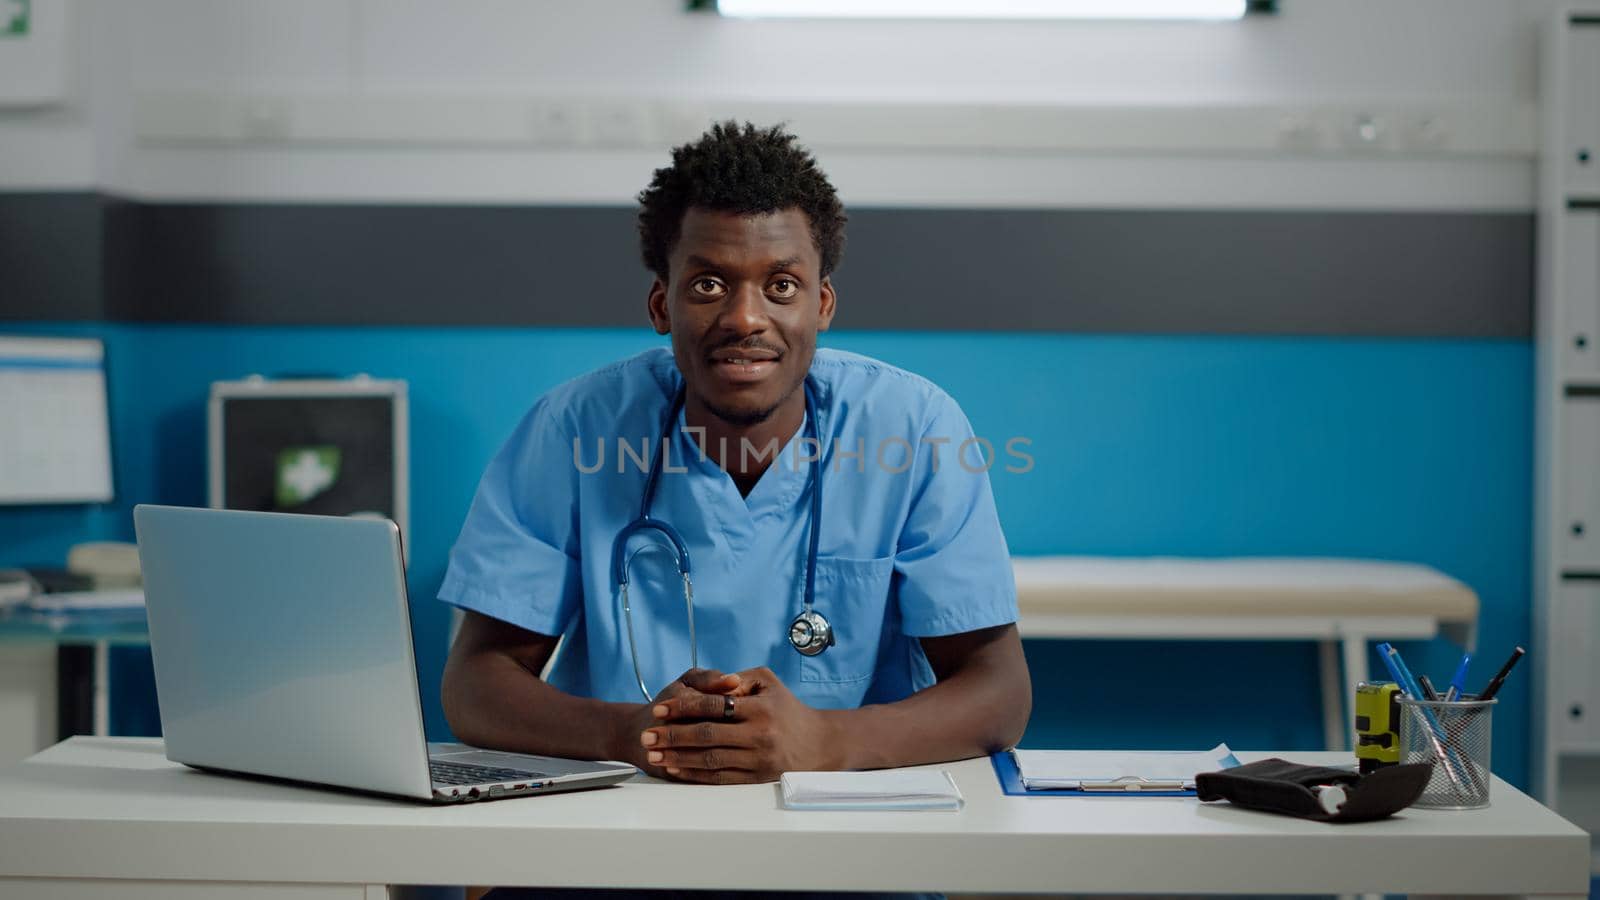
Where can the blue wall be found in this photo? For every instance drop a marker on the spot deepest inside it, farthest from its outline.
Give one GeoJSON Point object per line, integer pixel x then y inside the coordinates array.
{"type": "Point", "coordinates": [1393, 449]}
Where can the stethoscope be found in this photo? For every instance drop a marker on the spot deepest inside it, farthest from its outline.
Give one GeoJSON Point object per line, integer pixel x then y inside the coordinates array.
{"type": "Point", "coordinates": [809, 633]}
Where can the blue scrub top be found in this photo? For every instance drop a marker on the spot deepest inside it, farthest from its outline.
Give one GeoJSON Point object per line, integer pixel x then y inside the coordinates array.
{"type": "Point", "coordinates": [910, 543]}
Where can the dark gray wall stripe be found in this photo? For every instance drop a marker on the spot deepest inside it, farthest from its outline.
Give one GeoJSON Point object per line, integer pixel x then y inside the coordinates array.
{"type": "Point", "coordinates": [1237, 272]}
{"type": "Point", "coordinates": [397, 265]}
{"type": "Point", "coordinates": [50, 253]}
{"type": "Point", "coordinates": [1409, 274]}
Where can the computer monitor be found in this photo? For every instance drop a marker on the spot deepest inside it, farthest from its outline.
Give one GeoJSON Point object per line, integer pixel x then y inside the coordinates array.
{"type": "Point", "coordinates": [56, 446]}
{"type": "Point", "coordinates": [324, 446]}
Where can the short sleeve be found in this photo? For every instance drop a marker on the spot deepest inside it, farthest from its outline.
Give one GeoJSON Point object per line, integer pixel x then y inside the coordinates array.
{"type": "Point", "coordinates": [517, 558]}
{"type": "Point", "coordinates": [952, 567]}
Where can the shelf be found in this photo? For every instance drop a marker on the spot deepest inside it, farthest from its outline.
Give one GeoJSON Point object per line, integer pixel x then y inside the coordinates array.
{"type": "Point", "coordinates": [1567, 423]}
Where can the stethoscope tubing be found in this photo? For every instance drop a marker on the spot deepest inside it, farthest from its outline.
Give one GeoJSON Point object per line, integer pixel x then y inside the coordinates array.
{"type": "Point", "coordinates": [621, 559]}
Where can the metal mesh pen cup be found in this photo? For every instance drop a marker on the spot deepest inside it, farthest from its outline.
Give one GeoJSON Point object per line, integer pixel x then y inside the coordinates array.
{"type": "Point", "coordinates": [1455, 738]}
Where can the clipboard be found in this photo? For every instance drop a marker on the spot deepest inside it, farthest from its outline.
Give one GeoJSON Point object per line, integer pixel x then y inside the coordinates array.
{"type": "Point", "coordinates": [1005, 769]}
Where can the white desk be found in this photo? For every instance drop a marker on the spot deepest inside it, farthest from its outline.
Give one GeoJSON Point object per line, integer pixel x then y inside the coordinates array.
{"type": "Point", "coordinates": [1339, 603]}
{"type": "Point", "coordinates": [110, 817]}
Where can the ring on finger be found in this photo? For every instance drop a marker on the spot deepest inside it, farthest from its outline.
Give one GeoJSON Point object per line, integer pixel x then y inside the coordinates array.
{"type": "Point", "coordinates": [727, 707]}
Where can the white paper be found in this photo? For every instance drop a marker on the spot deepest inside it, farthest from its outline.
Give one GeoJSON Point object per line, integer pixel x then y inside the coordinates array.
{"type": "Point", "coordinates": [1070, 769]}
{"type": "Point", "coordinates": [57, 443]}
{"type": "Point", "coordinates": [15, 587]}
{"type": "Point", "coordinates": [131, 598]}
{"type": "Point", "coordinates": [884, 789]}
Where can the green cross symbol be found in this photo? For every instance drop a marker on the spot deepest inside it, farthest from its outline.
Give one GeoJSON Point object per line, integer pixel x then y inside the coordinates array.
{"type": "Point", "coordinates": [14, 17]}
{"type": "Point", "coordinates": [305, 472]}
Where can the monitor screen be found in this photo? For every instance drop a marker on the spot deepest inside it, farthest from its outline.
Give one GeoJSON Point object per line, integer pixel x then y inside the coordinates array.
{"type": "Point", "coordinates": [325, 455]}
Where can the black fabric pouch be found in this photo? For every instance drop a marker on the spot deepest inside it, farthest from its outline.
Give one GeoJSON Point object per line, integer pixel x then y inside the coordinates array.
{"type": "Point", "coordinates": [1280, 786]}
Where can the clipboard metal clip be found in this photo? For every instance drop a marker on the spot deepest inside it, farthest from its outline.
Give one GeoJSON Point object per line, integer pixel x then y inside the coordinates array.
{"type": "Point", "coordinates": [1133, 783]}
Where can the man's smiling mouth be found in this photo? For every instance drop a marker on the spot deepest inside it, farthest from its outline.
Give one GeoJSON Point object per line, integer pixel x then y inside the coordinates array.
{"type": "Point", "coordinates": [744, 365]}
{"type": "Point", "coordinates": [744, 369]}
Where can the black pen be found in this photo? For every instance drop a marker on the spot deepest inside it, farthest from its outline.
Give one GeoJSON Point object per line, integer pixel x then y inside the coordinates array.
{"type": "Point", "coordinates": [1500, 676]}
{"type": "Point", "coordinates": [1428, 693]}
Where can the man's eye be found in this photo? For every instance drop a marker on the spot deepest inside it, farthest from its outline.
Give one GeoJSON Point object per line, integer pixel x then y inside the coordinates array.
{"type": "Point", "coordinates": [785, 287]}
{"type": "Point", "coordinates": [707, 286]}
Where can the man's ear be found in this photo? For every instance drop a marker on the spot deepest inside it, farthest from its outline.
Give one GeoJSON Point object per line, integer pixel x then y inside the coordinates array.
{"type": "Point", "coordinates": [656, 305]}
{"type": "Point", "coordinates": [825, 312]}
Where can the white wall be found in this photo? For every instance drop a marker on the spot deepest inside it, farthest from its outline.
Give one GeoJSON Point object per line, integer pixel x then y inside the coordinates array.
{"type": "Point", "coordinates": [400, 85]}
{"type": "Point", "coordinates": [48, 145]}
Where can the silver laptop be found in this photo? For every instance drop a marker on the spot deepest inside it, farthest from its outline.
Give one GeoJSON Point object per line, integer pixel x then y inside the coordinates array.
{"type": "Point", "coordinates": [282, 648]}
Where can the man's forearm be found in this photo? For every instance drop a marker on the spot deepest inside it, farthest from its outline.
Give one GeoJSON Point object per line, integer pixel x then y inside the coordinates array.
{"type": "Point", "coordinates": [491, 700]}
{"type": "Point", "coordinates": [981, 708]}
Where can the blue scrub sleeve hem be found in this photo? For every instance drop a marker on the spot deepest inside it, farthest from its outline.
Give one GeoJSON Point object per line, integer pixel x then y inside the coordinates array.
{"type": "Point", "coordinates": [511, 610]}
{"type": "Point", "coordinates": [998, 610]}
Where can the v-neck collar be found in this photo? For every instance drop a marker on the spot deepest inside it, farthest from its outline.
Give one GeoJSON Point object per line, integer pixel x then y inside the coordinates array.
{"type": "Point", "coordinates": [775, 491]}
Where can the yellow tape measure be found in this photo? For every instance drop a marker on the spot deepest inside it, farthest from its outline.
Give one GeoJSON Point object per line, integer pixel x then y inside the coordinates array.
{"type": "Point", "coordinates": [1377, 724]}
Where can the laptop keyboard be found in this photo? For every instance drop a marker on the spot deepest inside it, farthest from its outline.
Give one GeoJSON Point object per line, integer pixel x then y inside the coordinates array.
{"type": "Point", "coordinates": [466, 773]}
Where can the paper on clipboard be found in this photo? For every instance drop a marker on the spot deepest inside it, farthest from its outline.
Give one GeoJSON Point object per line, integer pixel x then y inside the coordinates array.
{"type": "Point", "coordinates": [1118, 770]}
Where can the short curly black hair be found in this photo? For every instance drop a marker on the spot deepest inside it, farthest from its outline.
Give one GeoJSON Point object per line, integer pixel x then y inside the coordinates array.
{"type": "Point", "coordinates": [739, 169]}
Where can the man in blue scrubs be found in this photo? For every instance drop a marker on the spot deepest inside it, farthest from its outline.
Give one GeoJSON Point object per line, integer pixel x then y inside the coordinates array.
{"type": "Point", "coordinates": [742, 232]}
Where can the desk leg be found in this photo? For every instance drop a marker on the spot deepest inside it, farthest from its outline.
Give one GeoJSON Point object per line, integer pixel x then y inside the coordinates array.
{"type": "Point", "coordinates": [1355, 670]}
{"type": "Point", "coordinates": [75, 691]}
{"type": "Point", "coordinates": [102, 689]}
{"type": "Point", "coordinates": [1333, 728]}
{"type": "Point", "coordinates": [1339, 691]}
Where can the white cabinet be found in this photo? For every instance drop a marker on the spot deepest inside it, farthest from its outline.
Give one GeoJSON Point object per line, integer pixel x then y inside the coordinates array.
{"type": "Point", "coordinates": [1581, 290]}
{"type": "Point", "coordinates": [1575, 689]}
{"type": "Point", "coordinates": [27, 700]}
{"type": "Point", "coordinates": [1565, 655]}
{"type": "Point", "coordinates": [1582, 147]}
{"type": "Point", "coordinates": [1580, 475]}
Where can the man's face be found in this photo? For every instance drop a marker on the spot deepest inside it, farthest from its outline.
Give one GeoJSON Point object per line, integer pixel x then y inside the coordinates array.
{"type": "Point", "coordinates": [744, 299]}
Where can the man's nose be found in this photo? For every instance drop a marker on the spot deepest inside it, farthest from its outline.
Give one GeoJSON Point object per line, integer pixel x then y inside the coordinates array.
{"type": "Point", "coordinates": [745, 310]}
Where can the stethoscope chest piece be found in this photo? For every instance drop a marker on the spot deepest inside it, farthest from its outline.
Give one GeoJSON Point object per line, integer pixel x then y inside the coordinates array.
{"type": "Point", "coordinates": [810, 633]}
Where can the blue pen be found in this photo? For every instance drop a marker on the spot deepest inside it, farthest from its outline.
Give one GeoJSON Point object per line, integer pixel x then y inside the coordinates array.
{"type": "Point", "coordinates": [1394, 672]}
{"type": "Point", "coordinates": [1458, 683]}
{"type": "Point", "coordinates": [1397, 668]}
{"type": "Point", "coordinates": [1402, 677]}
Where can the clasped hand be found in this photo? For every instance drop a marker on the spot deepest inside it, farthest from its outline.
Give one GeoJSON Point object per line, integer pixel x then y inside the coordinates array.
{"type": "Point", "coordinates": [770, 730]}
